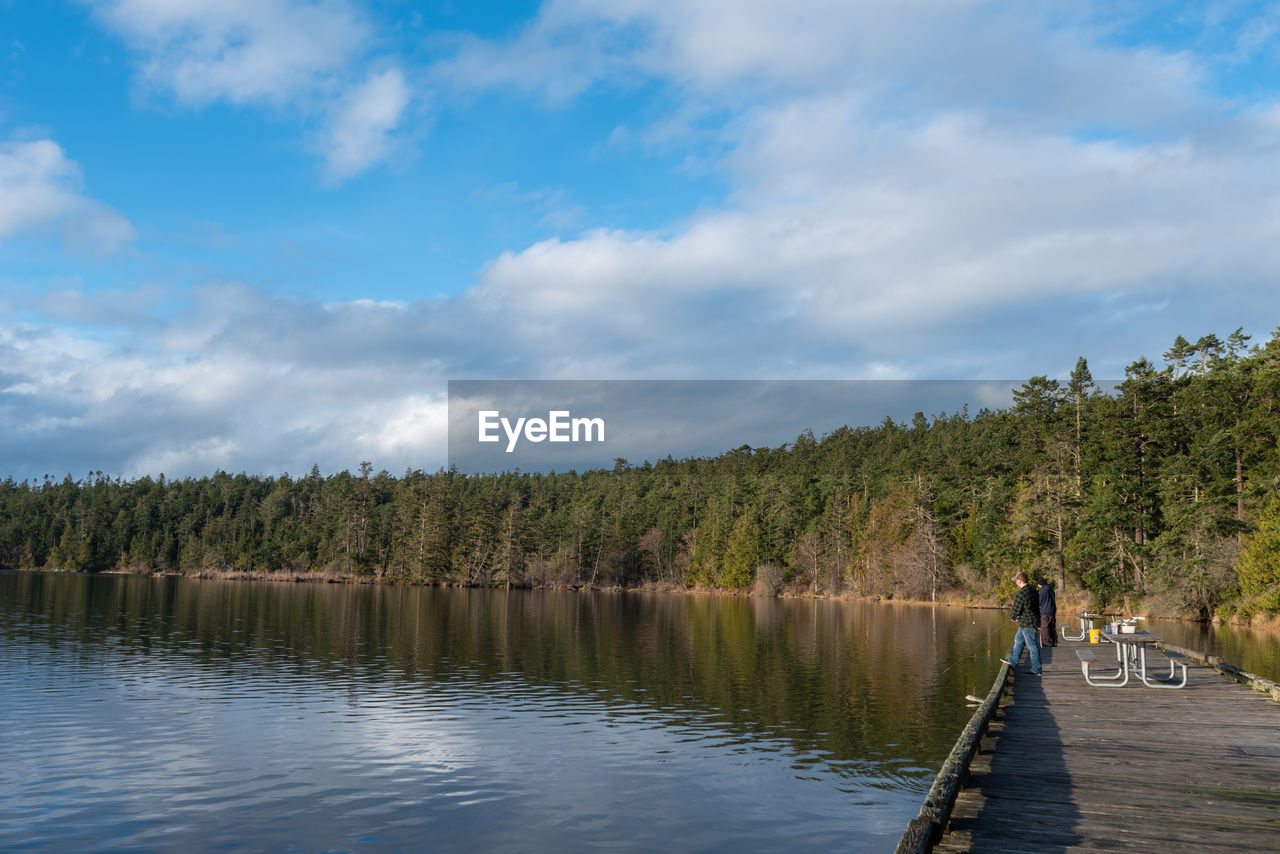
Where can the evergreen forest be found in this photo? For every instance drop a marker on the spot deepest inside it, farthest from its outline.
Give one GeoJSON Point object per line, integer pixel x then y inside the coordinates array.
{"type": "Point", "coordinates": [1161, 492]}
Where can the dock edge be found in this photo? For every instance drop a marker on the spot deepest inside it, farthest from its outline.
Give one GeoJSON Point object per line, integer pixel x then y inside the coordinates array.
{"type": "Point", "coordinates": [926, 828]}
{"type": "Point", "coordinates": [1258, 683]}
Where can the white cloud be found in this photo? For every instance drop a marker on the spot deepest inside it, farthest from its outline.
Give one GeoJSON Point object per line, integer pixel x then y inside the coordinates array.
{"type": "Point", "coordinates": [407, 429]}
{"type": "Point", "coordinates": [845, 225]}
{"type": "Point", "coordinates": [895, 166]}
{"type": "Point", "coordinates": [243, 51]}
{"type": "Point", "coordinates": [360, 133]}
{"type": "Point", "coordinates": [303, 57]}
{"type": "Point", "coordinates": [40, 188]}
{"type": "Point", "coordinates": [68, 301]}
{"type": "Point", "coordinates": [177, 457]}
{"type": "Point", "coordinates": [1047, 59]}
{"type": "Point", "coordinates": [239, 380]}
{"type": "Point", "coordinates": [565, 49]}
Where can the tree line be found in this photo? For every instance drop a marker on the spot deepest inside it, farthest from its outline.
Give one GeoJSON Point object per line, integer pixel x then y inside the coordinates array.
{"type": "Point", "coordinates": [1162, 490]}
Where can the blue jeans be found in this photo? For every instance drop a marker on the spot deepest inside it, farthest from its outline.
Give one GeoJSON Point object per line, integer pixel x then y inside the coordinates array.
{"type": "Point", "coordinates": [1029, 638]}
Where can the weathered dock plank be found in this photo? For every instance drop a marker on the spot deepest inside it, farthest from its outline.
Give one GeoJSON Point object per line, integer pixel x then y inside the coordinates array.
{"type": "Point", "coordinates": [1065, 766]}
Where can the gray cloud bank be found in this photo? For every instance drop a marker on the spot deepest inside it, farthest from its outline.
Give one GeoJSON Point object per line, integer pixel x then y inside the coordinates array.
{"type": "Point", "coordinates": [244, 380]}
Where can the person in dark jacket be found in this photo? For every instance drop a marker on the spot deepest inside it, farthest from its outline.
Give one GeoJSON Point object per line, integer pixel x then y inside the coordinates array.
{"type": "Point", "coordinates": [1048, 614]}
{"type": "Point", "coordinates": [1026, 613]}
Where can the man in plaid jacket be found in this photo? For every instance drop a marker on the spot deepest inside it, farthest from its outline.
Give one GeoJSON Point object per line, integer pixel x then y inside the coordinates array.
{"type": "Point", "coordinates": [1026, 613]}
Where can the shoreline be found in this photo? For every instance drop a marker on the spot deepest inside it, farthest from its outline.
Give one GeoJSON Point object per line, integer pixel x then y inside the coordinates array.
{"type": "Point", "coordinates": [1267, 623]}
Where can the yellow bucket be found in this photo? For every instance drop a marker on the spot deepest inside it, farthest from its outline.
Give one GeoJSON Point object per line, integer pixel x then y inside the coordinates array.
{"type": "Point", "coordinates": [1094, 635]}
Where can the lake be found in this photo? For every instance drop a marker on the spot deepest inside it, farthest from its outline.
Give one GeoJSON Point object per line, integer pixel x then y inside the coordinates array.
{"type": "Point", "coordinates": [165, 714]}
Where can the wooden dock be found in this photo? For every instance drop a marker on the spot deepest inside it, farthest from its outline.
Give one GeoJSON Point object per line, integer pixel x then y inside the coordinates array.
{"type": "Point", "coordinates": [1069, 767]}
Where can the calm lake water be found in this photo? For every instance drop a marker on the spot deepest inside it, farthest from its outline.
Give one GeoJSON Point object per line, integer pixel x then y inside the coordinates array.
{"type": "Point", "coordinates": [1255, 651]}
{"type": "Point", "coordinates": [169, 714]}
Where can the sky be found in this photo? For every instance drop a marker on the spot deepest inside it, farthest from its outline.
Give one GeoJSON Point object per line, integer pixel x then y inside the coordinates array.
{"type": "Point", "coordinates": [262, 235]}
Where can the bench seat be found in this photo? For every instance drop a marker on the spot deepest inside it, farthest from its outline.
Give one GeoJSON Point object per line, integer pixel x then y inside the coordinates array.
{"type": "Point", "coordinates": [1176, 660]}
{"type": "Point", "coordinates": [1086, 656]}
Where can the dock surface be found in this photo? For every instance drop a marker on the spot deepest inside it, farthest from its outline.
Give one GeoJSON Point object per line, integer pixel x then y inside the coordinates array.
{"type": "Point", "coordinates": [1066, 766]}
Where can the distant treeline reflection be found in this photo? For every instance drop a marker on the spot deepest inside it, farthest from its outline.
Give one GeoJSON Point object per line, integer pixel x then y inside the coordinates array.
{"type": "Point", "coordinates": [1161, 491]}
{"type": "Point", "coordinates": [835, 680]}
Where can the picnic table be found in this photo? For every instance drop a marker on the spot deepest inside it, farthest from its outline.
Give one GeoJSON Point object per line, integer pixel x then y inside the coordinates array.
{"type": "Point", "coordinates": [1131, 657]}
{"type": "Point", "coordinates": [1086, 622]}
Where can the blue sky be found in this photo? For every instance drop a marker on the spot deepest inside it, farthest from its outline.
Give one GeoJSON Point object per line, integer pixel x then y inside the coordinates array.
{"type": "Point", "coordinates": [260, 234]}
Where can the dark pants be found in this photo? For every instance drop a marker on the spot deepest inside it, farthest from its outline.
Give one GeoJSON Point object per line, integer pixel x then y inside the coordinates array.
{"type": "Point", "coordinates": [1048, 629]}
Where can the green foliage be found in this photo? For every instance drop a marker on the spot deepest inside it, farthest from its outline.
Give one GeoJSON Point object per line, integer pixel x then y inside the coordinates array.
{"type": "Point", "coordinates": [742, 553]}
{"type": "Point", "coordinates": [1259, 565]}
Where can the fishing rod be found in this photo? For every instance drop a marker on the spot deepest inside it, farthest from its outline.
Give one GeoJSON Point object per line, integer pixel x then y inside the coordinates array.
{"type": "Point", "coordinates": [987, 639]}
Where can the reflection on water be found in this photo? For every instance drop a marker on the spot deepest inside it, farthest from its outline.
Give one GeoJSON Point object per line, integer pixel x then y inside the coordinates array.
{"type": "Point", "coordinates": [166, 714]}
{"type": "Point", "coordinates": [1255, 650]}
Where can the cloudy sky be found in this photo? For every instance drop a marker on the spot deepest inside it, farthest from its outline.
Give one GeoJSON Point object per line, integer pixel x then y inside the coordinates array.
{"type": "Point", "coordinates": [254, 235]}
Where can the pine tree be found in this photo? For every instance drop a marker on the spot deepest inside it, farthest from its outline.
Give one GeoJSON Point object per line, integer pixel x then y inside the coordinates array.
{"type": "Point", "coordinates": [1259, 564]}
{"type": "Point", "coordinates": [742, 553]}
